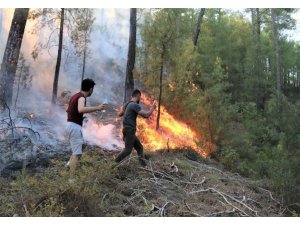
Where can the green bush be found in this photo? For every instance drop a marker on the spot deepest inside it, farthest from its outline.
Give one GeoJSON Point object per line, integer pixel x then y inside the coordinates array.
{"type": "Point", "coordinates": [49, 193]}
{"type": "Point", "coordinates": [229, 158]}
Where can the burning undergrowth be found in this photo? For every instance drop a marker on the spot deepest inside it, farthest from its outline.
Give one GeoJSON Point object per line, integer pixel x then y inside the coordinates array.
{"type": "Point", "coordinates": [172, 134]}
{"type": "Point", "coordinates": [44, 128]}
{"type": "Point", "coordinates": [104, 130]}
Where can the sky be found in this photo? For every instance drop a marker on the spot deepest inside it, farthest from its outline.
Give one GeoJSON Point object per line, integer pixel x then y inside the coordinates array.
{"type": "Point", "coordinates": [295, 34]}
{"type": "Point", "coordinates": [234, 4]}
{"type": "Point", "coordinates": [152, 4]}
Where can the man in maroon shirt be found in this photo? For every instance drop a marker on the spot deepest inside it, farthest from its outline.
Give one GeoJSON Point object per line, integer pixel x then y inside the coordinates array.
{"type": "Point", "coordinates": [77, 107]}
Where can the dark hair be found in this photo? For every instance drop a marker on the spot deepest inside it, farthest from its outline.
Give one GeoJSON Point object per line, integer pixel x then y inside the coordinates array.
{"type": "Point", "coordinates": [87, 84]}
{"type": "Point", "coordinates": [136, 92]}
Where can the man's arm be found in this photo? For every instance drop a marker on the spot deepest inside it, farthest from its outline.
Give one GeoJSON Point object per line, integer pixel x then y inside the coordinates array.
{"type": "Point", "coordinates": [147, 113]}
{"type": "Point", "coordinates": [84, 109]}
{"type": "Point", "coordinates": [121, 112]}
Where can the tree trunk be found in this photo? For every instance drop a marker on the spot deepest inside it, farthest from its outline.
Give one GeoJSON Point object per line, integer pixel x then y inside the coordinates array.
{"type": "Point", "coordinates": [18, 88]}
{"type": "Point", "coordinates": [11, 55]}
{"type": "Point", "coordinates": [277, 52]}
{"type": "Point", "coordinates": [160, 85]}
{"type": "Point", "coordinates": [129, 82]}
{"type": "Point", "coordinates": [55, 82]}
{"type": "Point", "coordinates": [84, 60]}
{"type": "Point", "coordinates": [298, 80]}
{"type": "Point", "coordinates": [198, 26]}
{"type": "Point", "coordinates": [257, 59]}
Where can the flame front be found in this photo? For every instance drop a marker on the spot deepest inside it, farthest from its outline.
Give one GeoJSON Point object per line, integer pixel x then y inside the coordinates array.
{"type": "Point", "coordinates": [172, 134]}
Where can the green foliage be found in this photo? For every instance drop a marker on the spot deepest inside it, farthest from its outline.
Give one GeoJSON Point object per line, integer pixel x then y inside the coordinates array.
{"type": "Point", "coordinates": [229, 158]}
{"type": "Point", "coordinates": [51, 194]}
{"type": "Point", "coordinates": [215, 87]}
{"type": "Point", "coordinates": [81, 28]}
{"type": "Point", "coordinates": [183, 164]}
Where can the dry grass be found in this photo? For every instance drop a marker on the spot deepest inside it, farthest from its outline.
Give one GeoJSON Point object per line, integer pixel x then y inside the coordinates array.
{"type": "Point", "coordinates": [172, 185]}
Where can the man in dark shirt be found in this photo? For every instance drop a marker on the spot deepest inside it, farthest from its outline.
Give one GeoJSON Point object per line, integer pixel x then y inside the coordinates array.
{"type": "Point", "coordinates": [130, 112]}
{"type": "Point", "coordinates": [76, 109]}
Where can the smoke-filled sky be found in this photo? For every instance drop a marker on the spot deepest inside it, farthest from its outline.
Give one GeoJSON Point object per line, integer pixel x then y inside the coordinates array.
{"type": "Point", "coordinates": [106, 63]}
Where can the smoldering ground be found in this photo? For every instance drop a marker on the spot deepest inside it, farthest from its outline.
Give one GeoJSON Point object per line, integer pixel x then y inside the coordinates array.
{"type": "Point", "coordinates": [105, 64]}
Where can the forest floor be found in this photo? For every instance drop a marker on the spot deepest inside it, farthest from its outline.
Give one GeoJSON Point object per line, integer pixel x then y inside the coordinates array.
{"type": "Point", "coordinates": [175, 183]}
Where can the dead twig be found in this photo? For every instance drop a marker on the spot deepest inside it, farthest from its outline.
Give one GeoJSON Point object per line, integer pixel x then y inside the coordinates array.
{"type": "Point", "coordinates": [240, 202]}
{"type": "Point", "coordinates": [125, 160]}
{"type": "Point", "coordinates": [195, 183]}
{"type": "Point", "coordinates": [207, 167]}
{"type": "Point", "coordinates": [25, 207]}
{"type": "Point", "coordinates": [162, 210]}
{"type": "Point", "coordinates": [270, 195]}
{"type": "Point", "coordinates": [221, 213]}
{"type": "Point", "coordinates": [137, 193]}
{"type": "Point", "coordinates": [190, 211]}
{"type": "Point", "coordinates": [103, 198]}
{"type": "Point", "coordinates": [154, 177]}
{"type": "Point", "coordinates": [159, 174]}
{"type": "Point", "coordinates": [223, 195]}
{"type": "Point", "coordinates": [11, 123]}
{"type": "Point", "coordinates": [174, 167]}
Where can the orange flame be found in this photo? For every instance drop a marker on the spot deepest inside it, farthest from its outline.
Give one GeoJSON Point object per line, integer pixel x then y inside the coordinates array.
{"type": "Point", "coordinates": [172, 134]}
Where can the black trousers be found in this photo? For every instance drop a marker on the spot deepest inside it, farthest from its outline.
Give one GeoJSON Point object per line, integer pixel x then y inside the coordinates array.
{"type": "Point", "coordinates": [131, 141]}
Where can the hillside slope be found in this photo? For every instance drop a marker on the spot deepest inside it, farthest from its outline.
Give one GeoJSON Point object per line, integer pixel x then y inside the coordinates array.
{"type": "Point", "coordinates": [176, 183]}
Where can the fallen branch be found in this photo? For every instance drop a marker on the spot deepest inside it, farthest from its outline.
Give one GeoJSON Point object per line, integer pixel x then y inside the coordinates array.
{"type": "Point", "coordinates": [270, 194]}
{"type": "Point", "coordinates": [27, 214]}
{"type": "Point", "coordinates": [170, 178]}
{"type": "Point", "coordinates": [162, 210]}
{"type": "Point", "coordinates": [190, 211]}
{"type": "Point", "coordinates": [173, 166]}
{"type": "Point", "coordinates": [155, 178]}
{"type": "Point", "coordinates": [137, 193]}
{"type": "Point", "coordinates": [208, 167]}
{"type": "Point", "coordinates": [195, 183]}
{"type": "Point", "coordinates": [12, 128]}
{"type": "Point", "coordinates": [11, 123]}
{"type": "Point", "coordinates": [238, 201]}
{"type": "Point", "coordinates": [223, 195]}
{"type": "Point", "coordinates": [221, 213]}
{"type": "Point", "coordinates": [159, 174]}
{"type": "Point", "coordinates": [103, 198]}
{"type": "Point", "coordinates": [125, 160]}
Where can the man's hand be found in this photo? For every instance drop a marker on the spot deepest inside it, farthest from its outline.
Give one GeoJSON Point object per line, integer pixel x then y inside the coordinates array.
{"type": "Point", "coordinates": [84, 109]}
{"type": "Point", "coordinates": [102, 106]}
{"type": "Point", "coordinates": [147, 113]}
{"type": "Point", "coordinates": [154, 104]}
{"type": "Point", "coordinates": [121, 112]}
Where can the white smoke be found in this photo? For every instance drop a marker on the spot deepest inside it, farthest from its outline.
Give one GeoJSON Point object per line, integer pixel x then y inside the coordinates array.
{"type": "Point", "coordinates": [106, 65]}
{"type": "Point", "coordinates": [101, 135]}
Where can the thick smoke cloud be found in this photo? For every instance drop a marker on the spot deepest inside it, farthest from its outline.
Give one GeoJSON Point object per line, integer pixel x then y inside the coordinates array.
{"type": "Point", "coordinates": [106, 65]}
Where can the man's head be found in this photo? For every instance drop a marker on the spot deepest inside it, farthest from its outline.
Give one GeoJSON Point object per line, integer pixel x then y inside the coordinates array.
{"type": "Point", "coordinates": [87, 85]}
{"type": "Point", "coordinates": [136, 95]}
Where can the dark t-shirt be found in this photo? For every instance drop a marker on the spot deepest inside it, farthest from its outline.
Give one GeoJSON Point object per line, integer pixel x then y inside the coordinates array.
{"type": "Point", "coordinates": [131, 112]}
{"type": "Point", "coordinates": [73, 114]}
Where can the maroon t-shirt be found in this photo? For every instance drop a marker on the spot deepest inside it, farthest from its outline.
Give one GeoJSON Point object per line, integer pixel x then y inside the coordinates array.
{"type": "Point", "coordinates": [73, 114]}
